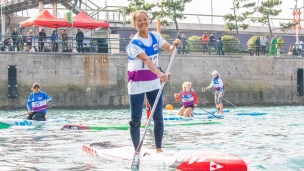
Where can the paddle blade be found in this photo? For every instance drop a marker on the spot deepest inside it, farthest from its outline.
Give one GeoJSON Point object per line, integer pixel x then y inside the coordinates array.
{"type": "Point", "coordinates": [136, 157]}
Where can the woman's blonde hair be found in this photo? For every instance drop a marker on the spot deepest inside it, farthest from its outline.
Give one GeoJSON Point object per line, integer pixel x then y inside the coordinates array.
{"type": "Point", "coordinates": [185, 84]}
{"type": "Point", "coordinates": [133, 14]}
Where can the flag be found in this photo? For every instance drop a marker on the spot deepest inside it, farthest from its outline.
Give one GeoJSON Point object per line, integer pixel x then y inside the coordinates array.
{"type": "Point", "coordinates": [68, 16]}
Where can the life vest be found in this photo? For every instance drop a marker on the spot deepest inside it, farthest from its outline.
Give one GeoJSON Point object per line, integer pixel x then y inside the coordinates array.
{"type": "Point", "coordinates": [137, 70]}
{"type": "Point", "coordinates": [217, 85]}
{"type": "Point", "coordinates": [38, 103]}
{"type": "Point", "coordinates": [187, 99]}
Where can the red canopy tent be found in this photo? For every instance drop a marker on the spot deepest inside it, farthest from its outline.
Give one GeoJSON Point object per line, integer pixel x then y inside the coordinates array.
{"type": "Point", "coordinates": [45, 19]}
{"type": "Point", "coordinates": [82, 20]}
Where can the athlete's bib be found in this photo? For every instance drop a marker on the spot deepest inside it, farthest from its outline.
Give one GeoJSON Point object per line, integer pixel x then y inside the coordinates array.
{"type": "Point", "coordinates": [38, 105]}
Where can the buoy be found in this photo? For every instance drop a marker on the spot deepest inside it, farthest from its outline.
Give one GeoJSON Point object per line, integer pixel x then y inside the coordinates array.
{"type": "Point", "coordinates": [148, 109]}
{"type": "Point", "coordinates": [169, 107]}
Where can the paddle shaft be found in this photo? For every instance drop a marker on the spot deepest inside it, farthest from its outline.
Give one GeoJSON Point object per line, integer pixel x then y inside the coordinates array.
{"type": "Point", "coordinates": [211, 114]}
{"type": "Point", "coordinates": [136, 154]}
{"type": "Point", "coordinates": [34, 111]}
{"type": "Point", "coordinates": [225, 99]}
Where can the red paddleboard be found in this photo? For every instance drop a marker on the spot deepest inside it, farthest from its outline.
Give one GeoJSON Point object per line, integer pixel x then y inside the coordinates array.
{"type": "Point", "coordinates": [184, 160]}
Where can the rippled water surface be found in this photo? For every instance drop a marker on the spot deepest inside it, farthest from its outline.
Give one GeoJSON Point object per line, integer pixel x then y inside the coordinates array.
{"type": "Point", "coordinates": [273, 142]}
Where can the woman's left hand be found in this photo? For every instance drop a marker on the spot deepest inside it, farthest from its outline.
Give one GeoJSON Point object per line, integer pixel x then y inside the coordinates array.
{"type": "Point", "coordinates": [178, 42]}
{"type": "Point", "coordinates": [195, 105]}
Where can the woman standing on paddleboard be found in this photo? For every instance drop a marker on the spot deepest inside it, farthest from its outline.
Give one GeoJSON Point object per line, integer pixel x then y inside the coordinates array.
{"type": "Point", "coordinates": [189, 100]}
{"type": "Point", "coordinates": [218, 84]}
{"type": "Point", "coordinates": [144, 77]}
{"type": "Point", "coordinates": [36, 104]}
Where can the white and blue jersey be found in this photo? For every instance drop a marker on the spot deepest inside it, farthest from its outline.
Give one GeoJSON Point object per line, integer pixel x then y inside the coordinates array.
{"type": "Point", "coordinates": [218, 84]}
{"type": "Point", "coordinates": [36, 102]}
{"type": "Point", "coordinates": [140, 78]}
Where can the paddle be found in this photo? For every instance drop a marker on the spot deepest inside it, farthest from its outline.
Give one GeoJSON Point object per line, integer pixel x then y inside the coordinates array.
{"type": "Point", "coordinates": [211, 114]}
{"type": "Point", "coordinates": [204, 89]}
{"type": "Point", "coordinates": [135, 160]}
{"type": "Point", "coordinates": [32, 111]}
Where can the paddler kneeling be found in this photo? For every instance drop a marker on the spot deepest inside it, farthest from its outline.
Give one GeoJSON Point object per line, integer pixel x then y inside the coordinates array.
{"type": "Point", "coordinates": [36, 104]}
{"type": "Point", "coordinates": [189, 100]}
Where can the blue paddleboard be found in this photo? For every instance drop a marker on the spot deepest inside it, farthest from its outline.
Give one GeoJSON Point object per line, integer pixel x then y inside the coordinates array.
{"type": "Point", "coordinates": [252, 113]}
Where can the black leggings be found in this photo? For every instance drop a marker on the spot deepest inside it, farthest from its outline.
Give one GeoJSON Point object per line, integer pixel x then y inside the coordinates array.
{"type": "Point", "coordinates": [37, 116]}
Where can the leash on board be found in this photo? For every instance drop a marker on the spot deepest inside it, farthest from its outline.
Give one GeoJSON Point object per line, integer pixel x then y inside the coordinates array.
{"type": "Point", "coordinates": [136, 157]}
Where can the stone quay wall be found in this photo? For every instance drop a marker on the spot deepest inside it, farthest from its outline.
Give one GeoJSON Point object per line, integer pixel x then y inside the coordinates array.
{"type": "Point", "coordinates": [100, 80]}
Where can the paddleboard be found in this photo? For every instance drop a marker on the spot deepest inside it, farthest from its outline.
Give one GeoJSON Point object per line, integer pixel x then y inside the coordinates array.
{"type": "Point", "coordinates": [4, 125]}
{"type": "Point", "coordinates": [184, 160]}
{"type": "Point", "coordinates": [26, 122]}
{"type": "Point", "coordinates": [195, 112]}
{"type": "Point", "coordinates": [126, 126]}
{"type": "Point", "coordinates": [196, 117]}
{"type": "Point", "coordinates": [252, 113]}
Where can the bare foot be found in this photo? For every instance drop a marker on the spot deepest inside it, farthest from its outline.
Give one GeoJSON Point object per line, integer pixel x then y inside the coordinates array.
{"type": "Point", "coordinates": [159, 150]}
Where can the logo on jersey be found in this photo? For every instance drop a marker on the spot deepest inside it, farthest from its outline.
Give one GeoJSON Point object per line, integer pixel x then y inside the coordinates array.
{"type": "Point", "coordinates": [155, 47]}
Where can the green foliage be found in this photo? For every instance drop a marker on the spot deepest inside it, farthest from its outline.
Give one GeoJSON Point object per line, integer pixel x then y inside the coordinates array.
{"type": "Point", "coordinates": [166, 36]}
{"type": "Point", "coordinates": [284, 27]}
{"type": "Point", "coordinates": [269, 9]}
{"type": "Point", "coordinates": [251, 42]}
{"type": "Point", "coordinates": [195, 43]}
{"type": "Point", "coordinates": [231, 44]}
{"type": "Point", "coordinates": [136, 5]}
{"type": "Point", "coordinates": [235, 21]}
{"type": "Point", "coordinates": [171, 11]}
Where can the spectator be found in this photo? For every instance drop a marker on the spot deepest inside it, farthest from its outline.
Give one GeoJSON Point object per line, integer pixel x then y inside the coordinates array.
{"type": "Point", "coordinates": [29, 39]}
{"type": "Point", "coordinates": [257, 46]}
{"type": "Point", "coordinates": [279, 45]}
{"type": "Point", "coordinates": [54, 40]}
{"type": "Point", "coordinates": [263, 44]}
{"type": "Point", "coordinates": [220, 44]}
{"type": "Point", "coordinates": [299, 44]}
{"type": "Point", "coordinates": [179, 36]}
{"type": "Point", "coordinates": [273, 46]}
{"type": "Point", "coordinates": [212, 42]}
{"type": "Point", "coordinates": [205, 41]}
{"type": "Point", "coordinates": [15, 36]}
{"type": "Point", "coordinates": [80, 1]}
{"type": "Point", "coordinates": [185, 43]}
{"type": "Point", "coordinates": [7, 43]}
{"type": "Point", "coordinates": [79, 40]}
{"type": "Point", "coordinates": [64, 37]}
{"type": "Point", "coordinates": [183, 39]}
{"type": "Point", "coordinates": [41, 39]}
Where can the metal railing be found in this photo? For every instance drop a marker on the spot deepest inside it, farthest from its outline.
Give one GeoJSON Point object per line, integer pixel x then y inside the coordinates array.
{"type": "Point", "coordinates": [36, 44]}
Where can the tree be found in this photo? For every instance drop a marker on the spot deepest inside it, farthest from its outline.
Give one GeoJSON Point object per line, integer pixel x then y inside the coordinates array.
{"type": "Point", "coordinates": [172, 10]}
{"type": "Point", "coordinates": [269, 9]}
{"type": "Point", "coordinates": [140, 5]}
{"type": "Point", "coordinates": [235, 21]}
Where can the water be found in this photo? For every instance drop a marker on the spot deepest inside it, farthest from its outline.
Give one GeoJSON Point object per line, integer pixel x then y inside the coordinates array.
{"type": "Point", "coordinates": [273, 142]}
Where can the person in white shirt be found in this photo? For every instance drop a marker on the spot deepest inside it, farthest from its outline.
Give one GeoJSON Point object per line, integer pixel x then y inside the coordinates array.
{"type": "Point", "coordinates": [263, 42]}
{"type": "Point", "coordinates": [218, 84]}
{"type": "Point", "coordinates": [144, 76]}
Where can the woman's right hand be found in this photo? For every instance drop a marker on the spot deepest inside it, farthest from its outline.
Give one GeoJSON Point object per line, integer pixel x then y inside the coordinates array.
{"type": "Point", "coordinates": [163, 77]}
{"type": "Point", "coordinates": [175, 94]}
{"type": "Point", "coordinates": [29, 112]}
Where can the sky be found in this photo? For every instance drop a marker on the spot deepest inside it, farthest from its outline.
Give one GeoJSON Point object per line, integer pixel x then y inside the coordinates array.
{"type": "Point", "coordinates": [204, 7]}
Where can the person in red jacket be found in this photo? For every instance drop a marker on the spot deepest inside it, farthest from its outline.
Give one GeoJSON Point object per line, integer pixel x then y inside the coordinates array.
{"type": "Point", "coordinates": [189, 100]}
